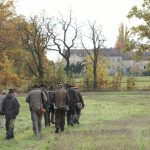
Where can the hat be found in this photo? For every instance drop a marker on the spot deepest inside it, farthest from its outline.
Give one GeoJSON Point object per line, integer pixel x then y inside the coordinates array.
{"type": "Point", "coordinates": [60, 85]}
{"type": "Point", "coordinates": [11, 91]}
{"type": "Point", "coordinates": [75, 87]}
{"type": "Point", "coordinates": [68, 85]}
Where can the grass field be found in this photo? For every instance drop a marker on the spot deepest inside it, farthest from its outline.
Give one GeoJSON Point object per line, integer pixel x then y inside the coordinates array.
{"type": "Point", "coordinates": [110, 121]}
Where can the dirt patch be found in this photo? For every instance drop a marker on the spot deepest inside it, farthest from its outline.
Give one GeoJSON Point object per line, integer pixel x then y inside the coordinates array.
{"type": "Point", "coordinates": [119, 147]}
{"type": "Point", "coordinates": [123, 131]}
{"type": "Point", "coordinates": [103, 131]}
{"type": "Point", "coordinates": [137, 121]}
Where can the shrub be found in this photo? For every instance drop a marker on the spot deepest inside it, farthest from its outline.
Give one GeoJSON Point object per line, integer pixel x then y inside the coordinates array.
{"type": "Point", "coordinates": [130, 83]}
{"type": "Point", "coordinates": [115, 84]}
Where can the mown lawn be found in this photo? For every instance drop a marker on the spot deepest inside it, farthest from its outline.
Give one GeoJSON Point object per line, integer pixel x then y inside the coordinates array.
{"type": "Point", "coordinates": [110, 121]}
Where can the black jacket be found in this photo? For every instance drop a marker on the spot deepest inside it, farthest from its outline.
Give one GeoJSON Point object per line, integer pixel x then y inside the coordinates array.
{"type": "Point", "coordinates": [72, 95]}
{"type": "Point", "coordinates": [80, 98]}
{"type": "Point", "coordinates": [10, 106]}
{"type": "Point", "coordinates": [46, 103]}
{"type": "Point", "coordinates": [51, 97]}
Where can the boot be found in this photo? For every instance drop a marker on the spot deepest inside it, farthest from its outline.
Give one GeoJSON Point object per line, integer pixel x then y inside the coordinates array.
{"type": "Point", "coordinates": [62, 129]}
{"type": "Point", "coordinates": [12, 136]}
{"type": "Point", "coordinates": [70, 123]}
{"type": "Point", "coordinates": [10, 133]}
{"type": "Point", "coordinates": [57, 130]}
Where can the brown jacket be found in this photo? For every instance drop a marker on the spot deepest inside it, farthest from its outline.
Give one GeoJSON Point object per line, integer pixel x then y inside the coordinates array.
{"type": "Point", "coordinates": [61, 98]}
{"type": "Point", "coordinates": [34, 98]}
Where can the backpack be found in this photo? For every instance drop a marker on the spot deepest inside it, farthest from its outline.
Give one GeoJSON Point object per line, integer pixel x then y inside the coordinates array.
{"type": "Point", "coordinates": [16, 107]}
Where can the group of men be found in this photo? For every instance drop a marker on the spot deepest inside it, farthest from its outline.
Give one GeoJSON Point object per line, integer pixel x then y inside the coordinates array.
{"type": "Point", "coordinates": [54, 105]}
{"type": "Point", "coordinates": [65, 100]}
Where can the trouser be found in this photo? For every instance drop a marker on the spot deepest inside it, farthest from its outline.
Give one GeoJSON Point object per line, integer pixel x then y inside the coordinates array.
{"type": "Point", "coordinates": [46, 118]}
{"type": "Point", "coordinates": [52, 112]}
{"type": "Point", "coordinates": [9, 128]}
{"type": "Point", "coordinates": [36, 122]}
{"type": "Point", "coordinates": [2, 121]}
{"type": "Point", "coordinates": [49, 116]}
{"type": "Point", "coordinates": [59, 119]}
{"type": "Point", "coordinates": [70, 115]}
{"type": "Point", "coordinates": [78, 113]}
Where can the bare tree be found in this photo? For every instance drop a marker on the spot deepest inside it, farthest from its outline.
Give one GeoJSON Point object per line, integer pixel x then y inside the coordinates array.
{"type": "Point", "coordinates": [97, 41]}
{"type": "Point", "coordinates": [65, 39]}
{"type": "Point", "coordinates": [36, 37]}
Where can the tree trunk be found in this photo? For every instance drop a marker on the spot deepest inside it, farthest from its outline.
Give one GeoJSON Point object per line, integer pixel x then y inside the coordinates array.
{"type": "Point", "coordinates": [41, 76]}
{"type": "Point", "coordinates": [95, 75]}
{"type": "Point", "coordinates": [67, 67]}
{"type": "Point", "coordinates": [40, 70]}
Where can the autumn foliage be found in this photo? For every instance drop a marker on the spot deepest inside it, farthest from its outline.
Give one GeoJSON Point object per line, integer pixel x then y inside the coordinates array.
{"type": "Point", "coordinates": [102, 73]}
{"type": "Point", "coordinates": [7, 76]}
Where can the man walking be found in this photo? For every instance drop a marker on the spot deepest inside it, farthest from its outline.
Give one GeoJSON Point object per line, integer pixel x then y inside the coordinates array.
{"type": "Point", "coordinates": [10, 108]}
{"type": "Point", "coordinates": [71, 114]}
{"type": "Point", "coordinates": [51, 110]}
{"type": "Point", "coordinates": [80, 104]}
{"type": "Point", "coordinates": [61, 101]}
{"type": "Point", "coordinates": [36, 99]}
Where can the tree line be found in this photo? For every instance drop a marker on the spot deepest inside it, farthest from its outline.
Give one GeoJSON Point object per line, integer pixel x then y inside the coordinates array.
{"type": "Point", "coordinates": [24, 44]}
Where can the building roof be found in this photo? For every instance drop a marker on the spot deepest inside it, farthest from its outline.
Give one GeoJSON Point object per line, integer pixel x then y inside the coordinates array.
{"type": "Point", "coordinates": [79, 52]}
{"type": "Point", "coordinates": [129, 56]}
{"type": "Point", "coordinates": [109, 52]}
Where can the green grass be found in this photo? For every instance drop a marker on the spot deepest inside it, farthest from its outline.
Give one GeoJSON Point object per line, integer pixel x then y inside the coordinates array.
{"type": "Point", "coordinates": [110, 121]}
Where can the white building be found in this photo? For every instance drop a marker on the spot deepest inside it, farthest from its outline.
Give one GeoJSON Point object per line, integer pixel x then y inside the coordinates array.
{"type": "Point", "coordinates": [116, 60]}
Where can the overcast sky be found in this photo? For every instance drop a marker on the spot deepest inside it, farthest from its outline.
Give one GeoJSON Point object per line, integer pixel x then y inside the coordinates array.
{"type": "Point", "coordinates": [108, 13]}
